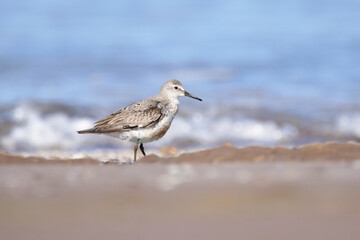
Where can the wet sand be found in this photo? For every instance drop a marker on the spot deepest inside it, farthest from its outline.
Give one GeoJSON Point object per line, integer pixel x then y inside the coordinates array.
{"type": "Point", "coordinates": [311, 192]}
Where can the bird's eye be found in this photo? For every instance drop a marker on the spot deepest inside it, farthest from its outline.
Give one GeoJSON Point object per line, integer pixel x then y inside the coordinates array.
{"type": "Point", "coordinates": [176, 87]}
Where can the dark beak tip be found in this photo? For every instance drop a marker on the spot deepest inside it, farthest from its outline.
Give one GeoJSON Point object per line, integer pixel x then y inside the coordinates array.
{"type": "Point", "coordinates": [199, 99]}
{"type": "Point", "coordinates": [189, 95]}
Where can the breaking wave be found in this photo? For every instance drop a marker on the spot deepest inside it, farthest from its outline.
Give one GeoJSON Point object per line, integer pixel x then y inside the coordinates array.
{"type": "Point", "coordinates": [209, 131]}
{"type": "Point", "coordinates": [34, 129]}
{"type": "Point", "coordinates": [349, 124]}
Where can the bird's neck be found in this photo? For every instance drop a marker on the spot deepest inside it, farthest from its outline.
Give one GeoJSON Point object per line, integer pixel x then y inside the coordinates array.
{"type": "Point", "coordinates": [173, 106]}
{"type": "Point", "coordinates": [170, 99]}
{"type": "Point", "coordinates": [174, 101]}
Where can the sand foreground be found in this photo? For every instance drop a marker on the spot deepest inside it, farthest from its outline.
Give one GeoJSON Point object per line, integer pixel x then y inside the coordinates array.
{"type": "Point", "coordinates": [271, 193]}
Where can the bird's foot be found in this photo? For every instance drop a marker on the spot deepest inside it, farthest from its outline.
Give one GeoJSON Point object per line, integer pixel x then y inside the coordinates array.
{"type": "Point", "coordinates": [142, 149]}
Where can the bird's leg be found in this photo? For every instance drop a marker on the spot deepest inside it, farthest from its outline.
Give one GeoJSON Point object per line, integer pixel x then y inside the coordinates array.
{"type": "Point", "coordinates": [135, 150]}
{"type": "Point", "coordinates": [142, 149]}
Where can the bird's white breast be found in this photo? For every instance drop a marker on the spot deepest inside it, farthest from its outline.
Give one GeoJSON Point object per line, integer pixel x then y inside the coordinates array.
{"type": "Point", "coordinates": [149, 134]}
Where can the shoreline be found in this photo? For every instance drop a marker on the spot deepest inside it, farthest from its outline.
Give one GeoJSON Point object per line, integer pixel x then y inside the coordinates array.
{"type": "Point", "coordinates": [227, 153]}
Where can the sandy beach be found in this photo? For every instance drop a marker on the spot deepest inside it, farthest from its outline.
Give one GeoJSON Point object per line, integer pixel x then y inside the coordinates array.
{"type": "Point", "coordinates": [310, 192]}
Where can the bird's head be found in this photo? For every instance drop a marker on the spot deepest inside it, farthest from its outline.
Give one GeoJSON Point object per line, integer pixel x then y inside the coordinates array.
{"type": "Point", "coordinates": [175, 89]}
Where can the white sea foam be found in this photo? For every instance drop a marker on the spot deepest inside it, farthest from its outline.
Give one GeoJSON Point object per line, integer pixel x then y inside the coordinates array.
{"type": "Point", "coordinates": [209, 131]}
{"type": "Point", "coordinates": [35, 131]}
{"type": "Point", "coordinates": [349, 124]}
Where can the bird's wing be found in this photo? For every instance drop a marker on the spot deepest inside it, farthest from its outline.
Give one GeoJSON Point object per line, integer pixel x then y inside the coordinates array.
{"type": "Point", "coordinates": [137, 115]}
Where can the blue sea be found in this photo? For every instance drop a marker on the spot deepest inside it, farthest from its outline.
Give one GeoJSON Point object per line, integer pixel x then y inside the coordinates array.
{"type": "Point", "coordinates": [270, 72]}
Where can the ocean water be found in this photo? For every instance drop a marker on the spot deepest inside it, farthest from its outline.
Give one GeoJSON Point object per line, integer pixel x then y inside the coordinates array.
{"type": "Point", "coordinates": [279, 73]}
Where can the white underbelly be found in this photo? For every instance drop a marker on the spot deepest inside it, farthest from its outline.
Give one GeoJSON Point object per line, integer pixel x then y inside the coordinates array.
{"type": "Point", "coordinates": [145, 135]}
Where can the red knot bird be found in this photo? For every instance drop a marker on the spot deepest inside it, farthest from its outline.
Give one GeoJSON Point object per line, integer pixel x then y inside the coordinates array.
{"type": "Point", "coordinates": [144, 121]}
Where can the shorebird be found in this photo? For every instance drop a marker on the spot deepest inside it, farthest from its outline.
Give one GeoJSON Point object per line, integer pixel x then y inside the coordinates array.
{"type": "Point", "coordinates": [143, 121]}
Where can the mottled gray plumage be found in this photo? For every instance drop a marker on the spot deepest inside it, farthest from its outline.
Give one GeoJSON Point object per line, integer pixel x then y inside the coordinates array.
{"type": "Point", "coordinates": [143, 121]}
{"type": "Point", "coordinates": [137, 115]}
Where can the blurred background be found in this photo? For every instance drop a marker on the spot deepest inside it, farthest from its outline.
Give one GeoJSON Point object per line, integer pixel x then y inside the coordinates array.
{"type": "Point", "coordinates": [279, 73]}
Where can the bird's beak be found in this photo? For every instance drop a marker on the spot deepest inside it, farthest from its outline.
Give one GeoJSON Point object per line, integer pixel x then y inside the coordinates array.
{"type": "Point", "coordinates": [189, 95]}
